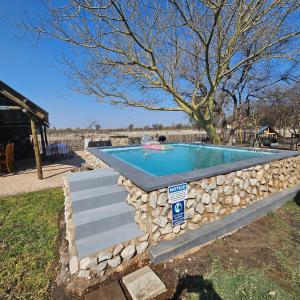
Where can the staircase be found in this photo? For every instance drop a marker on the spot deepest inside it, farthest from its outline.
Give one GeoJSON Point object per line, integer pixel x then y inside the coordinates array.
{"type": "Point", "coordinates": [101, 215]}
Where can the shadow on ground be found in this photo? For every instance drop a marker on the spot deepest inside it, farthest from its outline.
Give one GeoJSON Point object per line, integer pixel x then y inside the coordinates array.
{"type": "Point", "coordinates": [297, 198]}
{"type": "Point", "coordinates": [201, 288]}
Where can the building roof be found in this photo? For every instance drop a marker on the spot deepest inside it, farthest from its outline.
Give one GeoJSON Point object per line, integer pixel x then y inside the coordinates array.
{"type": "Point", "coordinates": [262, 130]}
{"type": "Point", "coordinates": [23, 103]}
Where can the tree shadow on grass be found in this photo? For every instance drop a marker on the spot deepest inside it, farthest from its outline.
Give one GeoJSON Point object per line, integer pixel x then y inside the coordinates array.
{"type": "Point", "coordinates": [201, 288]}
{"type": "Point", "coordinates": [297, 198]}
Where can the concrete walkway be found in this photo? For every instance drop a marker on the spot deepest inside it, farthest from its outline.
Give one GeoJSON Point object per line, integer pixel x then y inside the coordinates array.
{"type": "Point", "coordinates": [25, 177]}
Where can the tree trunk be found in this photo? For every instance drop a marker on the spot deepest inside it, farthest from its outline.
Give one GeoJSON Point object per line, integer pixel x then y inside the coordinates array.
{"type": "Point", "coordinates": [212, 133]}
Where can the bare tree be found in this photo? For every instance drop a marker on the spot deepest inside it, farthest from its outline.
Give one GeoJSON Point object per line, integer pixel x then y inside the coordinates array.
{"type": "Point", "coordinates": [171, 55]}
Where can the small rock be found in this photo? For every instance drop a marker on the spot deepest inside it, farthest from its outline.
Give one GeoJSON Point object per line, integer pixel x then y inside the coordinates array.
{"type": "Point", "coordinates": [161, 221]}
{"type": "Point", "coordinates": [189, 213]}
{"type": "Point", "coordinates": [144, 237]}
{"type": "Point", "coordinates": [190, 203]}
{"type": "Point", "coordinates": [192, 193]}
{"type": "Point", "coordinates": [114, 262]}
{"type": "Point", "coordinates": [204, 184]}
{"type": "Point", "coordinates": [117, 250]}
{"type": "Point", "coordinates": [169, 236]}
{"type": "Point", "coordinates": [141, 248]}
{"type": "Point", "coordinates": [228, 200]}
{"type": "Point", "coordinates": [176, 229]}
{"type": "Point", "coordinates": [144, 198]}
{"type": "Point", "coordinates": [128, 252]}
{"type": "Point", "coordinates": [88, 262]}
{"type": "Point", "coordinates": [236, 200]}
{"type": "Point", "coordinates": [167, 229]}
{"type": "Point", "coordinates": [209, 208]}
{"type": "Point", "coordinates": [253, 181]}
{"type": "Point", "coordinates": [197, 218]}
{"type": "Point", "coordinates": [104, 256]}
{"type": "Point", "coordinates": [272, 294]}
{"type": "Point", "coordinates": [228, 190]}
{"type": "Point", "coordinates": [73, 265]}
{"type": "Point", "coordinates": [84, 274]}
{"type": "Point", "coordinates": [183, 225]}
{"type": "Point", "coordinates": [214, 196]}
{"type": "Point", "coordinates": [100, 267]}
{"type": "Point", "coordinates": [162, 199]}
{"type": "Point", "coordinates": [153, 199]}
{"type": "Point", "coordinates": [206, 198]}
{"type": "Point", "coordinates": [200, 208]}
{"type": "Point", "coordinates": [220, 179]}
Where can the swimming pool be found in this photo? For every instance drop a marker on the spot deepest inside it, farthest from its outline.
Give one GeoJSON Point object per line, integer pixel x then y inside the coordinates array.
{"type": "Point", "coordinates": [152, 170]}
{"type": "Point", "coordinates": [181, 158]}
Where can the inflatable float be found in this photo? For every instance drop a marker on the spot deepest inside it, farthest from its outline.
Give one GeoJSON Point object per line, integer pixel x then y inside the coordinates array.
{"type": "Point", "coordinates": [156, 146]}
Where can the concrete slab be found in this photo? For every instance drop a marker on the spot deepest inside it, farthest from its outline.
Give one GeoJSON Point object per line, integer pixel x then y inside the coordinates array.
{"type": "Point", "coordinates": [144, 284]}
{"type": "Point", "coordinates": [110, 291]}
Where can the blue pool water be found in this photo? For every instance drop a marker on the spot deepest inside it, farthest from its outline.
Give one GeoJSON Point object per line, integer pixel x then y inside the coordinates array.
{"type": "Point", "coordinates": [182, 158]}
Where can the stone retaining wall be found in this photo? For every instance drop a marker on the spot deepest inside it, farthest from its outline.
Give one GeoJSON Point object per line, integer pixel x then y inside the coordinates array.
{"type": "Point", "coordinates": [211, 198]}
{"type": "Point", "coordinates": [208, 200]}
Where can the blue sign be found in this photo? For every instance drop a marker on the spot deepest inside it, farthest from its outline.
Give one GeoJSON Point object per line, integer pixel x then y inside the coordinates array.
{"type": "Point", "coordinates": [178, 213]}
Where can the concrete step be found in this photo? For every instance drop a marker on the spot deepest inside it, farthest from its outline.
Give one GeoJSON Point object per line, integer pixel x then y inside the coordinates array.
{"type": "Point", "coordinates": [97, 197]}
{"type": "Point", "coordinates": [80, 181]}
{"type": "Point", "coordinates": [102, 219]}
{"type": "Point", "coordinates": [100, 213]}
{"type": "Point", "coordinates": [95, 243]}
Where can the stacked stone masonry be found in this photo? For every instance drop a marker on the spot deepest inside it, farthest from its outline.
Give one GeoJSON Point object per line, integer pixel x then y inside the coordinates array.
{"type": "Point", "coordinates": [211, 198]}
{"type": "Point", "coordinates": [208, 200]}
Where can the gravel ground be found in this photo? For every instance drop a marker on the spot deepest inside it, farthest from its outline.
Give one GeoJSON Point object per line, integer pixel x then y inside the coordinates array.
{"type": "Point", "coordinates": [25, 178]}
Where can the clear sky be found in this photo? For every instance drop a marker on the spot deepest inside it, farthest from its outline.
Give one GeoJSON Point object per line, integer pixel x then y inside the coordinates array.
{"type": "Point", "coordinates": [32, 69]}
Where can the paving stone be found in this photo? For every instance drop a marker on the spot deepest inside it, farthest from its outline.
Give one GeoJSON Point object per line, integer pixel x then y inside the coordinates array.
{"type": "Point", "coordinates": [144, 284]}
{"type": "Point", "coordinates": [110, 291]}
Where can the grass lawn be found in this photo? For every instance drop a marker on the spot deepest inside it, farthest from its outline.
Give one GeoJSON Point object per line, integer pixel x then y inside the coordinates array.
{"type": "Point", "coordinates": [274, 275]}
{"type": "Point", "coordinates": [28, 243]}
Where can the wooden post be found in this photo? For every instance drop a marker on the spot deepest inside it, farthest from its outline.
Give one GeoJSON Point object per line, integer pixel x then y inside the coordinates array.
{"type": "Point", "coordinates": [36, 150]}
{"type": "Point", "coordinates": [46, 138]}
{"type": "Point", "coordinates": [43, 141]}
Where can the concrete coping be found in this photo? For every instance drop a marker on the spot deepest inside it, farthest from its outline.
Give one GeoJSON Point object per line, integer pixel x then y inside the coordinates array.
{"type": "Point", "coordinates": [150, 183]}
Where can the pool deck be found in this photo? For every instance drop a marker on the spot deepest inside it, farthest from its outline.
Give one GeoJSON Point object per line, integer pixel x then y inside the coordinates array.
{"type": "Point", "coordinates": [151, 183]}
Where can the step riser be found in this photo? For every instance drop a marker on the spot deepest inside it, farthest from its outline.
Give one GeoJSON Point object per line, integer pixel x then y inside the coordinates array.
{"type": "Point", "coordinates": [90, 183]}
{"type": "Point", "coordinates": [100, 226]}
{"type": "Point", "coordinates": [99, 201]}
{"type": "Point", "coordinates": [99, 242]}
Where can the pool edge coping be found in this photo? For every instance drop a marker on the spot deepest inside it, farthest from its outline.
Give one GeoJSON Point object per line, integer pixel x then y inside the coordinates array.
{"type": "Point", "coordinates": [150, 183]}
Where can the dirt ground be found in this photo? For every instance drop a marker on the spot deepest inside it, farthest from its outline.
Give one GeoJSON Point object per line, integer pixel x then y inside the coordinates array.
{"type": "Point", "coordinates": [254, 247]}
{"type": "Point", "coordinates": [24, 179]}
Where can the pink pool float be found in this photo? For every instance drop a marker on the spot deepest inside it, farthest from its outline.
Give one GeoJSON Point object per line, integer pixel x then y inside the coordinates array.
{"type": "Point", "coordinates": [154, 146]}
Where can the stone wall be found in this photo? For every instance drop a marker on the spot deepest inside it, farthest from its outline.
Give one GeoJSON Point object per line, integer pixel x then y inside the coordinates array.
{"type": "Point", "coordinates": [208, 200]}
{"type": "Point", "coordinates": [93, 162]}
{"type": "Point", "coordinates": [211, 198]}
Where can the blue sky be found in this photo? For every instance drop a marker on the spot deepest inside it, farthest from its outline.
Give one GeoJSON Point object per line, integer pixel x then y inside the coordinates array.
{"type": "Point", "coordinates": [32, 69]}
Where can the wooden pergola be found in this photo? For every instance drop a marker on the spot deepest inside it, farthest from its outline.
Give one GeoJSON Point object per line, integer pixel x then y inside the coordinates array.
{"type": "Point", "coordinates": [20, 118]}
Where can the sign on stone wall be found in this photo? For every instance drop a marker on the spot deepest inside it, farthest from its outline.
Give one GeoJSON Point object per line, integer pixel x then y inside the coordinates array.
{"type": "Point", "coordinates": [177, 195]}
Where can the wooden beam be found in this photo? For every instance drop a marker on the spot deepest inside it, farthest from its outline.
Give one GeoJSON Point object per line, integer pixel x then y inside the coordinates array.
{"type": "Point", "coordinates": [10, 108]}
{"type": "Point", "coordinates": [22, 104]}
{"type": "Point", "coordinates": [36, 150]}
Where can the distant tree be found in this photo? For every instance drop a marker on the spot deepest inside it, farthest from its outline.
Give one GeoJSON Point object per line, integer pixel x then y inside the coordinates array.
{"type": "Point", "coordinates": [157, 126]}
{"type": "Point", "coordinates": [147, 127]}
{"type": "Point", "coordinates": [97, 127]}
{"type": "Point", "coordinates": [131, 126]}
{"type": "Point", "coordinates": [91, 125]}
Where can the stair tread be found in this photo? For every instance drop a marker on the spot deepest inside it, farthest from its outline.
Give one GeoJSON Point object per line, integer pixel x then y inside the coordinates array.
{"type": "Point", "coordinates": [97, 191]}
{"type": "Point", "coordinates": [94, 243]}
{"type": "Point", "coordinates": [102, 212]}
{"type": "Point", "coordinates": [84, 175]}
